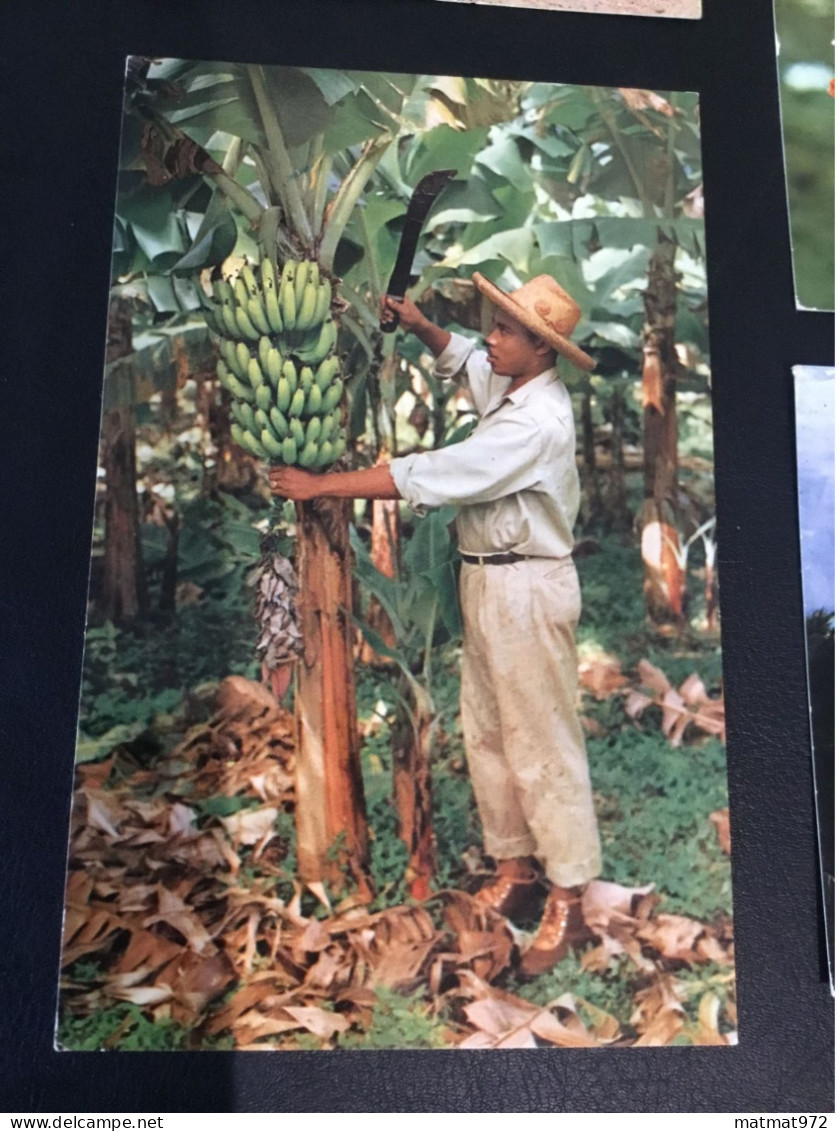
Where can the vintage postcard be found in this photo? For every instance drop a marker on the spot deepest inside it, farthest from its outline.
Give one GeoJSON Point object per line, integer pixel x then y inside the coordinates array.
{"type": "Point", "coordinates": [670, 9]}
{"type": "Point", "coordinates": [805, 34]}
{"type": "Point", "coordinates": [814, 395]}
{"type": "Point", "coordinates": [402, 722]}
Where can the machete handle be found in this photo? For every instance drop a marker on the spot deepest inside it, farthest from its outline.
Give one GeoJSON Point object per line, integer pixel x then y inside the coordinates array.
{"type": "Point", "coordinates": [391, 326]}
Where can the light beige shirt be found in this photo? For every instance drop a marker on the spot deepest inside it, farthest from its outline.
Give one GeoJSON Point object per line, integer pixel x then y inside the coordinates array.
{"type": "Point", "coordinates": [514, 479]}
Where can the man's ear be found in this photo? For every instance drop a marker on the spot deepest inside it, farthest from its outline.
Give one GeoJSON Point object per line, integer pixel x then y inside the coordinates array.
{"type": "Point", "coordinates": [542, 346]}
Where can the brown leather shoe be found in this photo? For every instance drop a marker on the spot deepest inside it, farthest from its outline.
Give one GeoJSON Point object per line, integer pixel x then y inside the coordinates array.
{"type": "Point", "coordinates": [510, 896]}
{"type": "Point", "coordinates": [561, 927]}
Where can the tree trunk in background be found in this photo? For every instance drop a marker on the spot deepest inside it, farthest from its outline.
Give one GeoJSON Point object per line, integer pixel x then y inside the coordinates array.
{"type": "Point", "coordinates": [589, 476]}
{"type": "Point", "coordinates": [617, 491]}
{"type": "Point", "coordinates": [125, 598]}
{"type": "Point", "coordinates": [330, 811]}
{"type": "Point", "coordinates": [412, 746]}
{"type": "Point", "coordinates": [664, 577]}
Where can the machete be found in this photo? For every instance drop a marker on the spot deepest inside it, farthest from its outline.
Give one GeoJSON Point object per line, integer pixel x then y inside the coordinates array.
{"type": "Point", "coordinates": [423, 196]}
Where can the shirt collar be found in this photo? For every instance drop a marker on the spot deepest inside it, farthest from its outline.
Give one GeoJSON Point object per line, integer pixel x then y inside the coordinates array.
{"type": "Point", "coordinates": [520, 395]}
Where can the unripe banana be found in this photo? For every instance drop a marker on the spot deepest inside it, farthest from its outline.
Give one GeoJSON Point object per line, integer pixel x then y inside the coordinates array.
{"type": "Point", "coordinates": [242, 357]}
{"type": "Point", "coordinates": [314, 274]}
{"type": "Point", "coordinates": [249, 280]}
{"type": "Point", "coordinates": [339, 446]}
{"type": "Point", "coordinates": [278, 422]}
{"type": "Point", "coordinates": [297, 403]}
{"type": "Point", "coordinates": [238, 389]}
{"type": "Point", "coordinates": [289, 373]}
{"type": "Point", "coordinates": [288, 272]}
{"type": "Point", "coordinates": [332, 395]}
{"type": "Point", "coordinates": [255, 308]}
{"type": "Point", "coordinates": [251, 444]}
{"type": "Point", "coordinates": [264, 397]}
{"type": "Point", "coordinates": [237, 433]}
{"type": "Point", "coordinates": [247, 417]}
{"type": "Point", "coordinates": [223, 292]}
{"type": "Point", "coordinates": [287, 304]}
{"type": "Point", "coordinates": [235, 409]}
{"type": "Point", "coordinates": [273, 366]}
{"type": "Point", "coordinates": [271, 445]}
{"type": "Point", "coordinates": [306, 378]}
{"type": "Point", "coordinates": [300, 281]}
{"type": "Point", "coordinates": [308, 455]}
{"type": "Point", "coordinates": [245, 326]}
{"type": "Point", "coordinates": [212, 321]}
{"type": "Point", "coordinates": [329, 423]}
{"type": "Point", "coordinates": [227, 350]}
{"type": "Point", "coordinates": [314, 401]}
{"type": "Point", "coordinates": [307, 308]}
{"type": "Point", "coordinates": [312, 432]}
{"type": "Point", "coordinates": [254, 374]}
{"type": "Point", "coordinates": [289, 451]}
{"type": "Point", "coordinates": [326, 341]}
{"type": "Point", "coordinates": [223, 372]}
{"type": "Point", "coordinates": [323, 301]}
{"type": "Point", "coordinates": [325, 454]}
{"type": "Point", "coordinates": [240, 292]}
{"type": "Point", "coordinates": [283, 394]}
{"type": "Point", "coordinates": [264, 351]}
{"type": "Point", "coordinates": [228, 321]}
{"type": "Point", "coordinates": [262, 420]}
{"type": "Point", "coordinates": [268, 274]}
{"type": "Point", "coordinates": [326, 372]}
{"type": "Point", "coordinates": [273, 312]}
{"type": "Point", "coordinates": [297, 431]}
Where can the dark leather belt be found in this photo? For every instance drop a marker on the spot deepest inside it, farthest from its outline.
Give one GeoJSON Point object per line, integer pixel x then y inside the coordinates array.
{"type": "Point", "coordinates": [494, 559]}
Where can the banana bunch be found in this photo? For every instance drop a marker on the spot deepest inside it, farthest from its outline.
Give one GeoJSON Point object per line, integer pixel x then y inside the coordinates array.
{"type": "Point", "coordinates": [277, 338]}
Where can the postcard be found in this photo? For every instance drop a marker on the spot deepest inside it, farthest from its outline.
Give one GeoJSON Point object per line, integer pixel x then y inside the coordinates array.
{"type": "Point", "coordinates": [402, 720]}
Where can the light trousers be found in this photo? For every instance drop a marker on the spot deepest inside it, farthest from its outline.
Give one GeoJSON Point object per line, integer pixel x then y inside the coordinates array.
{"type": "Point", "coordinates": [523, 740]}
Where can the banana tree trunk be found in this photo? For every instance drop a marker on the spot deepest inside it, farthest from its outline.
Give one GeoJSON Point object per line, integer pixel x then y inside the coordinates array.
{"type": "Point", "coordinates": [330, 811]}
{"type": "Point", "coordinates": [664, 576]}
{"type": "Point", "coordinates": [125, 596]}
{"type": "Point", "coordinates": [617, 489]}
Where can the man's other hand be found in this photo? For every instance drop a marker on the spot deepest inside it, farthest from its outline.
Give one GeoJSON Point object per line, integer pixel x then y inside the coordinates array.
{"type": "Point", "coordinates": [293, 483]}
{"type": "Point", "coordinates": [404, 311]}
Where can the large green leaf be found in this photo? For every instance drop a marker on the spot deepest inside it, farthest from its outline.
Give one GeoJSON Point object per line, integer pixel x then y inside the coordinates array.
{"type": "Point", "coordinates": [465, 203]}
{"type": "Point", "coordinates": [445, 148]}
{"type": "Point", "coordinates": [503, 157]}
{"type": "Point", "coordinates": [150, 213]}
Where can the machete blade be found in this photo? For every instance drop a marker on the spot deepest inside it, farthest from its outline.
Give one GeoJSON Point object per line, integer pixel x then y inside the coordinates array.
{"type": "Point", "coordinates": [421, 201]}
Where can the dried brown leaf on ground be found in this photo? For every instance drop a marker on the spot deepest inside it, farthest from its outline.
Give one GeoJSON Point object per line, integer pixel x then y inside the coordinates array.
{"type": "Point", "coordinates": [720, 819]}
{"type": "Point", "coordinates": [658, 1015]}
{"type": "Point", "coordinates": [601, 674]}
{"type": "Point", "coordinates": [688, 706]}
{"type": "Point", "coordinates": [502, 1020]}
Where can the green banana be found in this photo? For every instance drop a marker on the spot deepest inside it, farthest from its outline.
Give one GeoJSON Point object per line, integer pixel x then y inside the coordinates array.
{"type": "Point", "coordinates": [254, 374]}
{"type": "Point", "coordinates": [326, 372]}
{"type": "Point", "coordinates": [313, 273]}
{"type": "Point", "coordinates": [329, 423]}
{"type": "Point", "coordinates": [308, 455]}
{"type": "Point", "coordinates": [332, 395]}
{"type": "Point", "coordinates": [228, 321]}
{"type": "Point", "coordinates": [250, 282]}
{"type": "Point", "coordinates": [247, 417]}
{"type": "Point", "coordinates": [323, 301]}
{"type": "Point", "coordinates": [264, 397]}
{"type": "Point", "coordinates": [252, 445]}
{"type": "Point", "coordinates": [264, 351]}
{"type": "Point", "coordinates": [274, 366]}
{"type": "Point", "coordinates": [313, 401]}
{"type": "Point", "coordinates": [339, 446]}
{"type": "Point", "coordinates": [297, 431]}
{"type": "Point", "coordinates": [300, 281]}
{"type": "Point", "coordinates": [240, 292]}
{"type": "Point", "coordinates": [278, 422]}
{"type": "Point", "coordinates": [271, 445]}
{"type": "Point", "coordinates": [268, 274]}
{"type": "Point", "coordinates": [242, 356]}
{"type": "Point", "coordinates": [288, 273]}
{"type": "Point", "coordinates": [289, 450]}
{"type": "Point", "coordinates": [245, 325]}
{"type": "Point", "coordinates": [238, 389]}
{"type": "Point", "coordinates": [273, 311]}
{"type": "Point", "coordinates": [287, 303]}
{"type": "Point", "coordinates": [325, 454]}
{"type": "Point", "coordinates": [306, 378]}
{"type": "Point", "coordinates": [262, 420]}
{"type": "Point", "coordinates": [312, 432]}
{"type": "Point", "coordinates": [297, 403]}
{"type": "Point", "coordinates": [223, 292]}
{"type": "Point", "coordinates": [307, 308]}
{"type": "Point", "coordinates": [283, 394]}
{"type": "Point", "coordinates": [256, 310]}
{"type": "Point", "coordinates": [289, 373]}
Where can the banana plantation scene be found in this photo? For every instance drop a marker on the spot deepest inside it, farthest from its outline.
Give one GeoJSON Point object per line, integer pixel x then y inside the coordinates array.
{"type": "Point", "coordinates": [401, 715]}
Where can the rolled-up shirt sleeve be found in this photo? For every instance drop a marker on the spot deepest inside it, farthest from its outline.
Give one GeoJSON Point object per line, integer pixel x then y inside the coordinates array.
{"type": "Point", "coordinates": [500, 459]}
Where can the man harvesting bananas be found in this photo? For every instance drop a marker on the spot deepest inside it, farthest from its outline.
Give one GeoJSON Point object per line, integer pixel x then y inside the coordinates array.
{"type": "Point", "coordinates": [515, 483]}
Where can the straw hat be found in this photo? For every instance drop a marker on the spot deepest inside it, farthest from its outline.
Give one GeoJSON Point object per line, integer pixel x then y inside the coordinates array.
{"type": "Point", "coordinates": [544, 308]}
